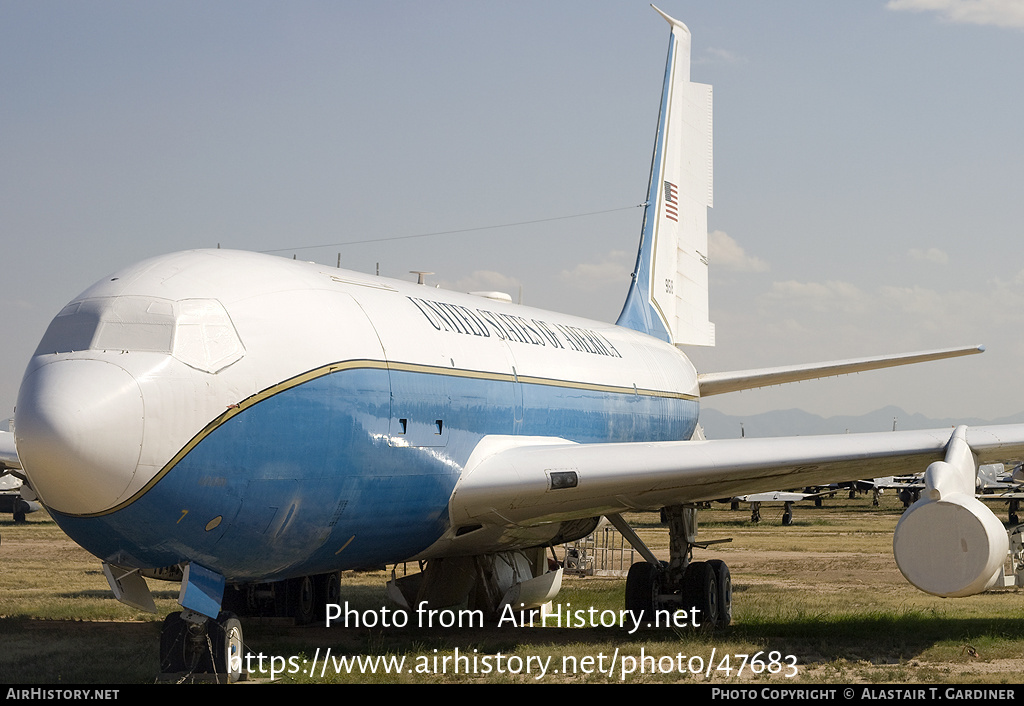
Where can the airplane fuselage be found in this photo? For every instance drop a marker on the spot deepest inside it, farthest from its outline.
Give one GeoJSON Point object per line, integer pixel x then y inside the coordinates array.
{"type": "Point", "coordinates": [269, 418]}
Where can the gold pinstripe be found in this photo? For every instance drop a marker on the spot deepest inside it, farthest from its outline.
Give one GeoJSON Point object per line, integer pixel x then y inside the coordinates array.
{"type": "Point", "coordinates": [369, 364]}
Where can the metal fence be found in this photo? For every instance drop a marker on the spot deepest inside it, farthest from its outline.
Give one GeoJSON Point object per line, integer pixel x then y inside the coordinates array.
{"type": "Point", "coordinates": [603, 553]}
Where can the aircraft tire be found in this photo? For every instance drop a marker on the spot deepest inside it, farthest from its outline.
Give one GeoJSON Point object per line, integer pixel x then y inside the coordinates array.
{"type": "Point", "coordinates": [228, 646]}
{"type": "Point", "coordinates": [329, 590]}
{"type": "Point", "coordinates": [700, 591]}
{"type": "Point", "coordinates": [181, 649]}
{"type": "Point", "coordinates": [302, 594]}
{"type": "Point", "coordinates": [172, 644]}
{"type": "Point", "coordinates": [724, 592]}
{"type": "Point", "coordinates": [643, 584]}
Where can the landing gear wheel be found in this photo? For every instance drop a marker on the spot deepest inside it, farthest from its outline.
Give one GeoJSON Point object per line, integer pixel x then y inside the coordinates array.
{"type": "Point", "coordinates": [643, 584]}
{"type": "Point", "coordinates": [172, 635]}
{"type": "Point", "coordinates": [700, 591]}
{"type": "Point", "coordinates": [724, 592]}
{"type": "Point", "coordinates": [228, 647]}
{"type": "Point", "coordinates": [329, 589]}
{"type": "Point", "coordinates": [183, 646]}
{"type": "Point", "coordinates": [303, 599]}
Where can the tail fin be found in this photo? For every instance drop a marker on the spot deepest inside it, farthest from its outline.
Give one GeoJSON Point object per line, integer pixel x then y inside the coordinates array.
{"type": "Point", "coordinates": [668, 297]}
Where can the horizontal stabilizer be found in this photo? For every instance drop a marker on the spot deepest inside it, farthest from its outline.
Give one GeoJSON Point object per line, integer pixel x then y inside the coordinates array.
{"type": "Point", "coordinates": [719, 383]}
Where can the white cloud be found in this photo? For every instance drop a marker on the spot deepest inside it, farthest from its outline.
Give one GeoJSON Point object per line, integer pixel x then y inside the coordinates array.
{"type": "Point", "coordinates": [486, 281]}
{"type": "Point", "coordinates": [931, 255]}
{"type": "Point", "coordinates": [832, 310]}
{"type": "Point", "coordinates": [726, 253]}
{"type": "Point", "coordinates": [714, 55]}
{"type": "Point", "coordinates": [613, 268]}
{"type": "Point", "coordinates": [817, 296]}
{"type": "Point", "coordinates": [1000, 13]}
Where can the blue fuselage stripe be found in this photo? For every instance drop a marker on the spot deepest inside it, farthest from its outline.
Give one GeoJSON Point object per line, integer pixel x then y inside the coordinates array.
{"type": "Point", "coordinates": [318, 477]}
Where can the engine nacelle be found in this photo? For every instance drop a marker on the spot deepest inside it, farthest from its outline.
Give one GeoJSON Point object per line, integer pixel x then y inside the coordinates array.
{"type": "Point", "coordinates": [949, 543]}
{"type": "Point", "coordinates": [950, 547]}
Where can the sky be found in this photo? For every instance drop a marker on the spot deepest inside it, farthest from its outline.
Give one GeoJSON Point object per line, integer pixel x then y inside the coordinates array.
{"type": "Point", "coordinates": [869, 165]}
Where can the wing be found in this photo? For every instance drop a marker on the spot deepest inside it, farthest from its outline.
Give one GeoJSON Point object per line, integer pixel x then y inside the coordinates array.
{"type": "Point", "coordinates": [8, 454]}
{"type": "Point", "coordinates": [524, 481]}
{"type": "Point", "coordinates": [948, 543]}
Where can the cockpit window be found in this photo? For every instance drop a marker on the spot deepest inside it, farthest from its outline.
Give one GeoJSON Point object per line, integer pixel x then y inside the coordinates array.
{"type": "Point", "coordinates": [198, 332]}
{"type": "Point", "coordinates": [205, 337]}
{"type": "Point", "coordinates": [111, 323]}
{"type": "Point", "coordinates": [71, 330]}
{"type": "Point", "coordinates": [134, 324]}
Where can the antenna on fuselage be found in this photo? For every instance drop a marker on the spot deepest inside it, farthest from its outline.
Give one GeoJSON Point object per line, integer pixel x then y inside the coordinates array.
{"type": "Point", "coordinates": [420, 275]}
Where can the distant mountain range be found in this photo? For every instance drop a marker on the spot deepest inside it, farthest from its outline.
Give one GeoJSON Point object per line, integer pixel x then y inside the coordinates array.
{"type": "Point", "coordinates": [796, 422]}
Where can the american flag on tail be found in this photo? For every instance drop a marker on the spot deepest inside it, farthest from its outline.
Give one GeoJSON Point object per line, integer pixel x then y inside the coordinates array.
{"type": "Point", "coordinates": [671, 202]}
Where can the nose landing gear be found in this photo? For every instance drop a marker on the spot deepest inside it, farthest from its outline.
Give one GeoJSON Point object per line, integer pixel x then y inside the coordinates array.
{"type": "Point", "coordinates": [192, 644]}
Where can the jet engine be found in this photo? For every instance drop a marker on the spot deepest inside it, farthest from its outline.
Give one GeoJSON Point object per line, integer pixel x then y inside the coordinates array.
{"type": "Point", "coordinates": [949, 543]}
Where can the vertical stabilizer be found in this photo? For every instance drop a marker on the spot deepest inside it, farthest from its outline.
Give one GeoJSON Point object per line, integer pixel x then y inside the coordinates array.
{"type": "Point", "coordinates": [668, 297]}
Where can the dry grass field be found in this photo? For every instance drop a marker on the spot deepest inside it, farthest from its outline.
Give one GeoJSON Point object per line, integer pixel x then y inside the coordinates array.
{"type": "Point", "coordinates": [820, 601]}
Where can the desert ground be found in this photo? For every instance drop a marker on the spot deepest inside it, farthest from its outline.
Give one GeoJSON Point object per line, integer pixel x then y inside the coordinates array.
{"type": "Point", "coordinates": [820, 601]}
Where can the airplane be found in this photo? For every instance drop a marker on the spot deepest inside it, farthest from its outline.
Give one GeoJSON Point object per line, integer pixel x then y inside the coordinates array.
{"type": "Point", "coordinates": [9, 460]}
{"type": "Point", "coordinates": [14, 497]}
{"type": "Point", "coordinates": [230, 420]}
{"type": "Point", "coordinates": [995, 484]}
{"type": "Point", "coordinates": [994, 478]}
{"type": "Point", "coordinates": [787, 498]}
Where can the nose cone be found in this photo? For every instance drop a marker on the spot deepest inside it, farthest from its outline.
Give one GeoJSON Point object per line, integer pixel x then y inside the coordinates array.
{"type": "Point", "coordinates": [78, 428]}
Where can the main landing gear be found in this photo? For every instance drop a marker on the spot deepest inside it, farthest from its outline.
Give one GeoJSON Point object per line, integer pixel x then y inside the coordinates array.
{"type": "Point", "coordinates": [662, 591]}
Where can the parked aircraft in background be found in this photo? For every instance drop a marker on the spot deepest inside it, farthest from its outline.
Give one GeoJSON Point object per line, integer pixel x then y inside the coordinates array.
{"type": "Point", "coordinates": [229, 419]}
{"type": "Point", "coordinates": [787, 498]}
{"type": "Point", "coordinates": [996, 484]}
{"type": "Point", "coordinates": [9, 460]}
{"type": "Point", "coordinates": [12, 499]}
